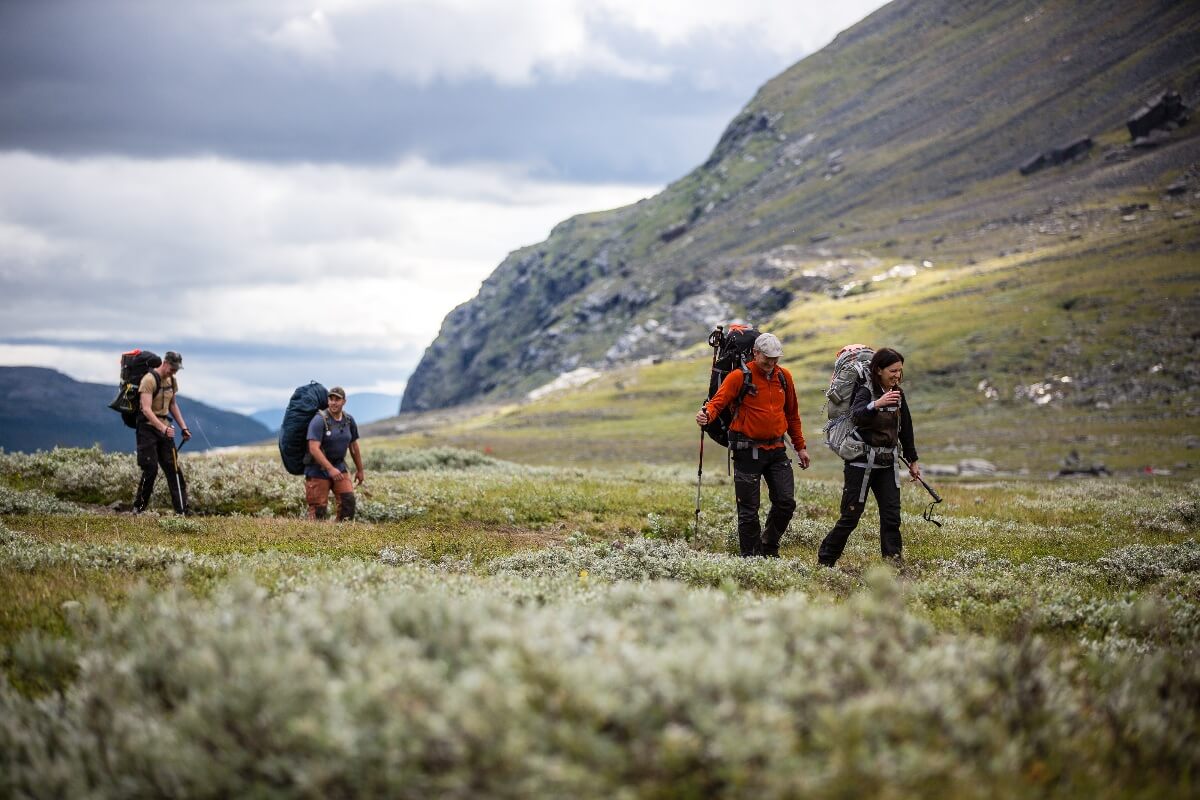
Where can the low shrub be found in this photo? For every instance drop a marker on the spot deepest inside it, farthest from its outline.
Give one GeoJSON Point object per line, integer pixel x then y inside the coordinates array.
{"type": "Point", "coordinates": [469, 688]}
{"type": "Point", "coordinates": [432, 458]}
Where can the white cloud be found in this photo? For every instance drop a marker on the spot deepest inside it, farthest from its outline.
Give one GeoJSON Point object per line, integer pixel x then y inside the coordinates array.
{"type": "Point", "coordinates": [308, 36]}
{"type": "Point", "coordinates": [791, 29]}
{"type": "Point", "coordinates": [89, 366]}
{"type": "Point", "coordinates": [340, 259]}
{"type": "Point", "coordinates": [522, 41]}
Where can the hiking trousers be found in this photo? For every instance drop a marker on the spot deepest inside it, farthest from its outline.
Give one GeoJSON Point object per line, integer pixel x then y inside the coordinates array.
{"type": "Point", "coordinates": [156, 450]}
{"type": "Point", "coordinates": [882, 483]}
{"type": "Point", "coordinates": [773, 466]}
{"type": "Point", "coordinates": [316, 494]}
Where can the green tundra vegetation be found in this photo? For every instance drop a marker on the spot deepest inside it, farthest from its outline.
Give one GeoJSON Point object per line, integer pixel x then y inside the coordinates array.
{"type": "Point", "coordinates": [491, 628]}
{"type": "Point", "coordinates": [527, 604]}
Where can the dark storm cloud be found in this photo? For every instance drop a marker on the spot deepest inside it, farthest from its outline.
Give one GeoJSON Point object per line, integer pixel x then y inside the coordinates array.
{"type": "Point", "coordinates": [145, 79]}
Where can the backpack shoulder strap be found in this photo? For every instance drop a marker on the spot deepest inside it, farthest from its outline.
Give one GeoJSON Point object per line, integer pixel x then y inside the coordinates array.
{"type": "Point", "coordinates": [324, 412]}
{"type": "Point", "coordinates": [157, 382]}
{"type": "Point", "coordinates": [748, 386]}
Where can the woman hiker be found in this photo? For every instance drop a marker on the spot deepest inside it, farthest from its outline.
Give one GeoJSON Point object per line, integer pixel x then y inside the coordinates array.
{"type": "Point", "coordinates": [879, 409]}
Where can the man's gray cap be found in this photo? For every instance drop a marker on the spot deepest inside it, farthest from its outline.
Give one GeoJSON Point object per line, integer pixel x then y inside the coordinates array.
{"type": "Point", "coordinates": [174, 359]}
{"type": "Point", "coordinates": [769, 345]}
{"type": "Point", "coordinates": [337, 391]}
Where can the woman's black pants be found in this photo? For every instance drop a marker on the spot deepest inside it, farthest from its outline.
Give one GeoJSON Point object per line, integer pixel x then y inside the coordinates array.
{"type": "Point", "coordinates": [882, 483]}
{"type": "Point", "coordinates": [773, 466]}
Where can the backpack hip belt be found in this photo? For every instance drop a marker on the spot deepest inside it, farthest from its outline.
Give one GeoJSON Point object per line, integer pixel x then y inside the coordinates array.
{"type": "Point", "coordinates": [738, 441]}
{"type": "Point", "coordinates": [870, 465]}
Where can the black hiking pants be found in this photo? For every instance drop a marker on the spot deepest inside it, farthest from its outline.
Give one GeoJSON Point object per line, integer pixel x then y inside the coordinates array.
{"type": "Point", "coordinates": [882, 483]}
{"type": "Point", "coordinates": [775, 468]}
{"type": "Point", "coordinates": [156, 450]}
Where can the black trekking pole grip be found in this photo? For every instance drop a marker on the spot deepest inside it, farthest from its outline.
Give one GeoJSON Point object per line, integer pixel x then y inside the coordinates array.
{"type": "Point", "coordinates": [932, 493]}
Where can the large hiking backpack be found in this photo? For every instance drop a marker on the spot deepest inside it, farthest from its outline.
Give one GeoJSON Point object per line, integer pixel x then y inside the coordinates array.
{"type": "Point", "coordinates": [850, 370]}
{"type": "Point", "coordinates": [134, 366]}
{"type": "Point", "coordinates": [733, 349]}
{"type": "Point", "coordinates": [306, 401]}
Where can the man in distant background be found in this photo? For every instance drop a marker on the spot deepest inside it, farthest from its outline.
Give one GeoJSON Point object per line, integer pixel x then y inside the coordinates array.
{"type": "Point", "coordinates": [330, 434]}
{"type": "Point", "coordinates": [156, 434]}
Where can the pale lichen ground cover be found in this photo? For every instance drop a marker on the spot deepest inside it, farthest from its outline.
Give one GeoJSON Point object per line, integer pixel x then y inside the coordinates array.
{"type": "Point", "coordinates": [1043, 643]}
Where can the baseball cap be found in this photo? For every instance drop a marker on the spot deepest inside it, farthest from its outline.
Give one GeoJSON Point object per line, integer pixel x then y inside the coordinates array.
{"type": "Point", "coordinates": [174, 359]}
{"type": "Point", "coordinates": [769, 345]}
{"type": "Point", "coordinates": [337, 391]}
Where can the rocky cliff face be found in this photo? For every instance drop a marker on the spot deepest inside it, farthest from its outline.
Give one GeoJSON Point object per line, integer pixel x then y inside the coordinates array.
{"type": "Point", "coordinates": [901, 139]}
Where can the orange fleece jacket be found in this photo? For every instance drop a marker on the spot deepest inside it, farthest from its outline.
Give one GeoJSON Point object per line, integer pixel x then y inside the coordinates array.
{"type": "Point", "coordinates": [765, 415]}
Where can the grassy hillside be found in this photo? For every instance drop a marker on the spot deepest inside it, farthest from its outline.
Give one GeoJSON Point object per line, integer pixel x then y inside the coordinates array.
{"type": "Point", "coordinates": [1111, 306]}
{"type": "Point", "coordinates": [899, 141]}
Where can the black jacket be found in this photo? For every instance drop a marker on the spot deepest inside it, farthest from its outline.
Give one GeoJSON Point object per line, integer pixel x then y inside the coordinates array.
{"type": "Point", "coordinates": [874, 427]}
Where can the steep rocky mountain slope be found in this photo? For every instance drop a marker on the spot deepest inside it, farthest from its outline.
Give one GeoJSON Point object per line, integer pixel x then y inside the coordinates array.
{"type": "Point", "coordinates": [42, 408]}
{"type": "Point", "coordinates": [899, 142]}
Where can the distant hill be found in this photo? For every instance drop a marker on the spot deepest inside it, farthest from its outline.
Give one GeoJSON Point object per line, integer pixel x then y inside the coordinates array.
{"type": "Point", "coordinates": [365, 406]}
{"type": "Point", "coordinates": [899, 143]}
{"type": "Point", "coordinates": [42, 408]}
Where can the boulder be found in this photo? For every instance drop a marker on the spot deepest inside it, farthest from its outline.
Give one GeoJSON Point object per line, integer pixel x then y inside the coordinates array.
{"type": "Point", "coordinates": [1057, 155]}
{"type": "Point", "coordinates": [1164, 110]}
{"type": "Point", "coordinates": [1152, 139]}
{"type": "Point", "coordinates": [673, 232]}
{"type": "Point", "coordinates": [976, 467]}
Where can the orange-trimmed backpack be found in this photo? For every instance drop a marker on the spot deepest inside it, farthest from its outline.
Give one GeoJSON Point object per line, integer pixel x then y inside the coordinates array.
{"type": "Point", "coordinates": [732, 349]}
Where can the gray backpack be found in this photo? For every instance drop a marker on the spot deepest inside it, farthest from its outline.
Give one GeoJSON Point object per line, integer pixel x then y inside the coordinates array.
{"type": "Point", "coordinates": [849, 372]}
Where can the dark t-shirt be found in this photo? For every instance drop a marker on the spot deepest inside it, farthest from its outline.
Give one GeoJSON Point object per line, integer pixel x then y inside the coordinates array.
{"type": "Point", "coordinates": [335, 443]}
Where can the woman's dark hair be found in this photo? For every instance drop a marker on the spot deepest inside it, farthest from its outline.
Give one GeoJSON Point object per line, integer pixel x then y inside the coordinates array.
{"type": "Point", "coordinates": [884, 357]}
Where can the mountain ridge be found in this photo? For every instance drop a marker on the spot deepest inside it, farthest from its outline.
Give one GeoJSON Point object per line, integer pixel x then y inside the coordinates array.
{"type": "Point", "coordinates": [863, 152]}
{"type": "Point", "coordinates": [41, 408]}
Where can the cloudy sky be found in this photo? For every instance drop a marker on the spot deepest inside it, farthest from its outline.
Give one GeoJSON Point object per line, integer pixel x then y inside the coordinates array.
{"type": "Point", "coordinates": [286, 191]}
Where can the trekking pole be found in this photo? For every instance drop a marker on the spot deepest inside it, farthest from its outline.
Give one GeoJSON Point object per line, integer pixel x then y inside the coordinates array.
{"type": "Point", "coordinates": [199, 427]}
{"type": "Point", "coordinates": [699, 478]}
{"type": "Point", "coordinates": [714, 341]}
{"type": "Point", "coordinates": [928, 515]}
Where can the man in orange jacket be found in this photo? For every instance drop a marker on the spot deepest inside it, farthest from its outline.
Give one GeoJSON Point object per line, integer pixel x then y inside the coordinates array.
{"type": "Point", "coordinates": [766, 411]}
